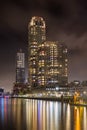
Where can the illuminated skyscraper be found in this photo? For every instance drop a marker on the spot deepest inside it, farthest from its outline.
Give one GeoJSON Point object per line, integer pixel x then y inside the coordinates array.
{"type": "Point", "coordinates": [20, 67]}
{"type": "Point", "coordinates": [36, 36]}
{"type": "Point", "coordinates": [52, 64]}
{"type": "Point", "coordinates": [47, 60]}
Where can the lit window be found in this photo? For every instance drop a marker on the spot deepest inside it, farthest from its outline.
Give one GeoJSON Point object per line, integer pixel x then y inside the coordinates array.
{"type": "Point", "coordinates": [42, 53]}
{"type": "Point", "coordinates": [65, 64]}
{"type": "Point", "coordinates": [43, 38]}
{"type": "Point", "coordinates": [60, 65]}
{"type": "Point", "coordinates": [66, 60]}
{"type": "Point", "coordinates": [65, 51]}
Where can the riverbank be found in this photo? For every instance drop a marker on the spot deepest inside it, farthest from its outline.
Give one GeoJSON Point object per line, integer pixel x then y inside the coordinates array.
{"type": "Point", "coordinates": [61, 99]}
{"type": "Point", "coordinates": [78, 104]}
{"type": "Point", "coordinates": [65, 99]}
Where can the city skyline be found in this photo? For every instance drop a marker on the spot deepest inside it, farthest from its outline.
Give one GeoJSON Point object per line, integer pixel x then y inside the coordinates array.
{"type": "Point", "coordinates": [67, 24]}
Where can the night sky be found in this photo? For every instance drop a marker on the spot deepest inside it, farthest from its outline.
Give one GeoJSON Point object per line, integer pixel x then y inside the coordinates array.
{"type": "Point", "coordinates": [66, 21]}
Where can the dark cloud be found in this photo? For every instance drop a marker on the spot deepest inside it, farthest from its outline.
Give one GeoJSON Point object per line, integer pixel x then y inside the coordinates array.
{"type": "Point", "coordinates": [75, 51]}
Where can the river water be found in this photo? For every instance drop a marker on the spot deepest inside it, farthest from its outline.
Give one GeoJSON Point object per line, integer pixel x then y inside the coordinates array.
{"type": "Point", "coordinates": [28, 114]}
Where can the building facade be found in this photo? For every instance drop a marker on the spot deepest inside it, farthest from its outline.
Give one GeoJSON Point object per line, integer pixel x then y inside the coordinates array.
{"type": "Point", "coordinates": [52, 64]}
{"type": "Point", "coordinates": [48, 63]}
{"type": "Point", "coordinates": [20, 67]}
{"type": "Point", "coordinates": [36, 35]}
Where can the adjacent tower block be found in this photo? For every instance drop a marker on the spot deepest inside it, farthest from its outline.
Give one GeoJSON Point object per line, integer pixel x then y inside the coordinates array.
{"type": "Point", "coordinates": [52, 64]}
{"type": "Point", "coordinates": [20, 67]}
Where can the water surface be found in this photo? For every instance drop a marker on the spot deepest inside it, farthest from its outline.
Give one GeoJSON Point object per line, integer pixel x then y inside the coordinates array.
{"type": "Point", "coordinates": [28, 114]}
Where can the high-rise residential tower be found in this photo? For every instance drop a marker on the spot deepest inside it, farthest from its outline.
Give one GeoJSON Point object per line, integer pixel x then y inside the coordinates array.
{"type": "Point", "coordinates": [47, 60]}
{"type": "Point", "coordinates": [20, 67]}
{"type": "Point", "coordinates": [36, 36]}
{"type": "Point", "coordinates": [52, 64]}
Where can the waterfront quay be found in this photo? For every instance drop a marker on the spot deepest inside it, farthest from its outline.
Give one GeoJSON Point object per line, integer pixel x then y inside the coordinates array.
{"type": "Point", "coordinates": [49, 95]}
{"type": "Point", "coordinates": [72, 100]}
{"type": "Point", "coordinates": [63, 95]}
{"type": "Point", "coordinates": [61, 99]}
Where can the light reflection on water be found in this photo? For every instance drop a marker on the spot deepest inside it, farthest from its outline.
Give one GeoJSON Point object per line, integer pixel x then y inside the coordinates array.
{"type": "Point", "coordinates": [27, 114]}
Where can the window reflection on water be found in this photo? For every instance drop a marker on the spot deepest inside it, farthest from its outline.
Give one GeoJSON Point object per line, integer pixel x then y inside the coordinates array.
{"type": "Point", "coordinates": [27, 114]}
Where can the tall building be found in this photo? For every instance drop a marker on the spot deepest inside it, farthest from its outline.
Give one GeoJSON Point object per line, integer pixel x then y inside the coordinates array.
{"type": "Point", "coordinates": [47, 60]}
{"type": "Point", "coordinates": [52, 64]}
{"type": "Point", "coordinates": [20, 67]}
{"type": "Point", "coordinates": [36, 36]}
